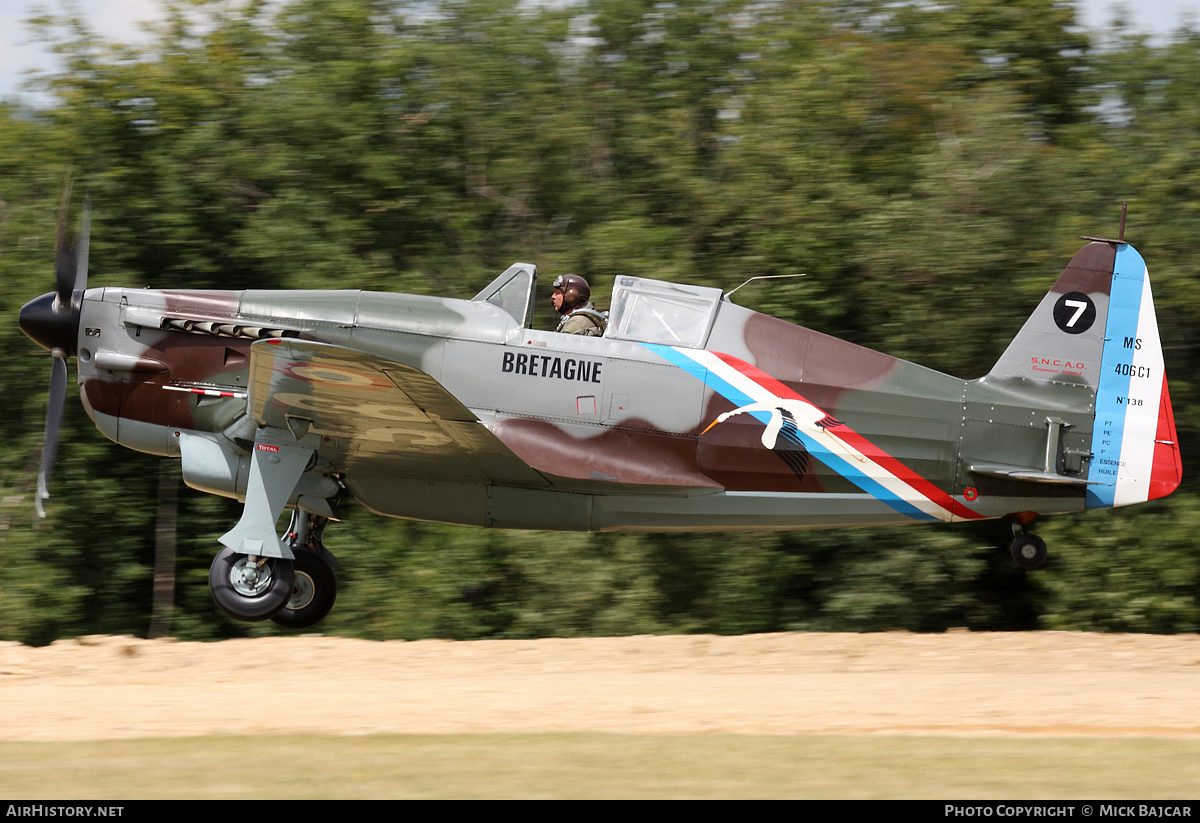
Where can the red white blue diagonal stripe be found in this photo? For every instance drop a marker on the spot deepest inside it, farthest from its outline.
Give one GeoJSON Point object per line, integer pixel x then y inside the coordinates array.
{"type": "Point", "coordinates": [845, 451]}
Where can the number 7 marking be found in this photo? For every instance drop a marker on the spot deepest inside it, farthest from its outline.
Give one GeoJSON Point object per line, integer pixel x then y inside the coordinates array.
{"type": "Point", "coordinates": [1079, 307]}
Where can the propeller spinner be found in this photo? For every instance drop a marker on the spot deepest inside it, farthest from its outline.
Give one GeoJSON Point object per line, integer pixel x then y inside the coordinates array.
{"type": "Point", "coordinates": [52, 321]}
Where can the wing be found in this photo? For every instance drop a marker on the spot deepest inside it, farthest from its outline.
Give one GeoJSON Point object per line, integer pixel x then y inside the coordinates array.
{"type": "Point", "coordinates": [376, 416]}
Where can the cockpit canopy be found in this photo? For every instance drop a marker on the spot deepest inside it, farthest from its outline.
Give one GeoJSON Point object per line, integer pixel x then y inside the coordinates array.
{"type": "Point", "coordinates": [642, 310]}
{"type": "Point", "coordinates": [512, 292]}
{"type": "Point", "coordinates": [654, 311]}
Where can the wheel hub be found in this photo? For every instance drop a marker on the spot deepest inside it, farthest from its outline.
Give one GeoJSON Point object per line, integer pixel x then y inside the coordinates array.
{"type": "Point", "coordinates": [250, 578]}
{"type": "Point", "coordinates": [303, 591]}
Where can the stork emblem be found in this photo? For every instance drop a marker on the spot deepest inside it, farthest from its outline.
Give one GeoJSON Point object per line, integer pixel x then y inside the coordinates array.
{"type": "Point", "coordinates": [788, 418]}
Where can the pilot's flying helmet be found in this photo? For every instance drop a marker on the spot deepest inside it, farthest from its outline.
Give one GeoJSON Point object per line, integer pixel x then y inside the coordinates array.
{"type": "Point", "coordinates": [575, 290]}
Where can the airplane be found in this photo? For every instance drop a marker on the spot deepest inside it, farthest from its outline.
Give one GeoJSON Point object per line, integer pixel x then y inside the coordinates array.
{"type": "Point", "coordinates": [690, 413]}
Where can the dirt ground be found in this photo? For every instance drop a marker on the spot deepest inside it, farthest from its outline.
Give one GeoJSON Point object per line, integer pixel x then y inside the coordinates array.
{"type": "Point", "coordinates": [1043, 683]}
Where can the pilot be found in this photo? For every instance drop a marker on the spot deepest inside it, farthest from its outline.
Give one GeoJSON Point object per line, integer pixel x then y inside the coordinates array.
{"type": "Point", "coordinates": [577, 314]}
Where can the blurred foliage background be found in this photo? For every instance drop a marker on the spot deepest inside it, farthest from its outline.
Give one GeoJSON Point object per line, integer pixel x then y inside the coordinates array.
{"type": "Point", "coordinates": [930, 166]}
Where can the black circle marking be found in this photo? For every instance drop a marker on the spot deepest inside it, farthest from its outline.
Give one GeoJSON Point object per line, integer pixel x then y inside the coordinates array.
{"type": "Point", "coordinates": [1074, 312]}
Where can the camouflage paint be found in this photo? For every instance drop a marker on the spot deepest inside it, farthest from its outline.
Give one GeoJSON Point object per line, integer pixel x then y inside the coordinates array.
{"type": "Point", "coordinates": [448, 409]}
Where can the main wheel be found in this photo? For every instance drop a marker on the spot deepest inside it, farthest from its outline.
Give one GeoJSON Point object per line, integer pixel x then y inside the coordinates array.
{"type": "Point", "coordinates": [247, 590]}
{"type": "Point", "coordinates": [313, 592]}
{"type": "Point", "coordinates": [1029, 551]}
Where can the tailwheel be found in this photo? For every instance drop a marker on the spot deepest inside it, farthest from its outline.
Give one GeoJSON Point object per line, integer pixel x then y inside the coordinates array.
{"type": "Point", "coordinates": [250, 588]}
{"type": "Point", "coordinates": [313, 591]}
{"type": "Point", "coordinates": [1029, 551]}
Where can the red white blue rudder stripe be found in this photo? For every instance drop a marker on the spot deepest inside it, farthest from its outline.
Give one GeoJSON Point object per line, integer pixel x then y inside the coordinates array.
{"type": "Point", "coordinates": [1135, 455]}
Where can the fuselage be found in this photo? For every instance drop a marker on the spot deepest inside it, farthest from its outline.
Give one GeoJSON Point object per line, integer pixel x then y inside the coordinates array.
{"type": "Point", "coordinates": [618, 430]}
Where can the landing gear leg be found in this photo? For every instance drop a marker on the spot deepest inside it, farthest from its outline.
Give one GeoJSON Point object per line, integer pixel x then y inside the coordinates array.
{"type": "Point", "coordinates": [276, 464]}
{"type": "Point", "coordinates": [253, 576]}
{"type": "Point", "coordinates": [314, 589]}
{"type": "Point", "coordinates": [1028, 550]}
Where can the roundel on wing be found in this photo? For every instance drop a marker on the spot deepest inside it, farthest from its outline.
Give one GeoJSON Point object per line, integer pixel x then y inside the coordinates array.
{"type": "Point", "coordinates": [337, 375]}
{"type": "Point", "coordinates": [1074, 312]}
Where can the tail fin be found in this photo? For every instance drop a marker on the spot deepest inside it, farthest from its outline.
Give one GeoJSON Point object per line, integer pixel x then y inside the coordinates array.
{"type": "Point", "coordinates": [1096, 329]}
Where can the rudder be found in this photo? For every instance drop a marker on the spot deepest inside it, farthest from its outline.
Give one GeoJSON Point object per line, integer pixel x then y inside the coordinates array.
{"type": "Point", "coordinates": [1135, 452]}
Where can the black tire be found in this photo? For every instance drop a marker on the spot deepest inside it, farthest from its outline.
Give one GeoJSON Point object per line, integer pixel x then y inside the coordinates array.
{"type": "Point", "coordinates": [1029, 551]}
{"type": "Point", "coordinates": [313, 592]}
{"type": "Point", "coordinates": [243, 599]}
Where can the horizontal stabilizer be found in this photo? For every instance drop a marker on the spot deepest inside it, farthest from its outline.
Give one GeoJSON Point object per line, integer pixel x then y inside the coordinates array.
{"type": "Point", "coordinates": [1021, 473]}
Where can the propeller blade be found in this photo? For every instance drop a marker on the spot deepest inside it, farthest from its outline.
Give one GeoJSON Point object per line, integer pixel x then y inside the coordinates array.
{"type": "Point", "coordinates": [81, 248]}
{"type": "Point", "coordinates": [65, 266]}
{"type": "Point", "coordinates": [55, 405]}
{"type": "Point", "coordinates": [53, 323]}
